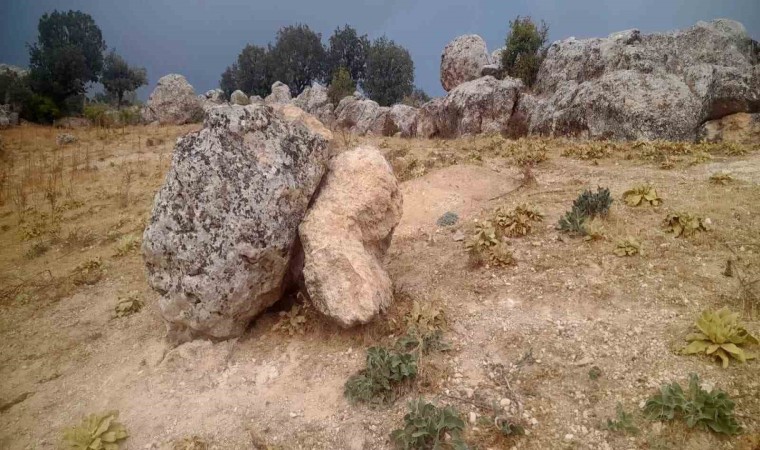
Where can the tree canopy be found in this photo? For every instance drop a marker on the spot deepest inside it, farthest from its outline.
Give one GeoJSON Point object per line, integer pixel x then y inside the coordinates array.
{"type": "Point", "coordinates": [298, 57]}
{"type": "Point", "coordinates": [347, 50]}
{"type": "Point", "coordinates": [68, 54]}
{"type": "Point", "coordinates": [119, 77]}
{"type": "Point", "coordinates": [390, 72]}
{"type": "Point", "coordinates": [525, 49]}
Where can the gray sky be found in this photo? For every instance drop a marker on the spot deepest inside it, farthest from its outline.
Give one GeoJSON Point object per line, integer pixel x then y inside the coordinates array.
{"type": "Point", "coordinates": [199, 38]}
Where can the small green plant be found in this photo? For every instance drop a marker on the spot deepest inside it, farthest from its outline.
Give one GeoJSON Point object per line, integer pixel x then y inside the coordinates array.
{"type": "Point", "coordinates": [427, 426]}
{"type": "Point", "coordinates": [573, 222]}
{"type": "Point", "coordinates": [594, 373]}
{"type": "Point", "coordinates": [292, 321]}
{"type": "Point", "coordinates": [712, 410]}
{"type": "Point", "coordinates": [37, 249]}
{"type": "Point", "coordinates": [642, 194]}
{"type": "Point", "coordinates": [128, 305]}
{"type": "Point", "coordinates": [501, 256]}
{"type": "Point", "coordinates": [518, 221]}
{"type": "Point", "coordinates": [722, 178]}
{"type": "Point", "coordinates": [627, 247]}
{"type": "Point", "coordinates": [683, 224]}
{"type": "Point", "coordinates": [622, 422]}
{"type": "Point", "coordinates": [126, 245]}
{"type": "Point", "coordinates": [96, 432]}
{"type": "Point", "coordinates": [425, 318]}
{"type": "Point", "coordinates": [593, 204]}
{"type": "Point", "coordinates": [720, 334]}
{"type": "Point", "coordinates": [385, 370]}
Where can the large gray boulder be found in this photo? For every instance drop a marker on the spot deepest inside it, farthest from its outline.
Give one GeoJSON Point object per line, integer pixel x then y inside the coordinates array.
{"type": "Point", "coordinates": [8, 117]}
{"type": "Point", "coordinates": [215, 96]}
{"type": "Point", "coordinates": [462, 60]}
{"type": "Point", "coordinates": [280, 94]}
{"type": "Point", "coordinates": [740, 128]}
{"type": "Point", "coordinates": [173, 102]}
{"type": "Point", "coordinates": [223, 227]}
{"type": "Point", "coordinates": [314, 100]}
{"type": "Point", "coordinates": [239, 98]}
{"type": "Point", "coordinates": [360, 116]}
{"type": "Point", "coordinates": [484, 105]}
{"type": "Point", "coordinates": [403, 120]}
{"type": "Point", "coordinates": [656, 86]}
{"type": "Point", "coordinates": [346, 234]}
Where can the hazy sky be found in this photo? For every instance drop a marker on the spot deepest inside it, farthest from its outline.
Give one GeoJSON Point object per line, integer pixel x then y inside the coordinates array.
{"type": "Point", "coordinates": [199, 38]}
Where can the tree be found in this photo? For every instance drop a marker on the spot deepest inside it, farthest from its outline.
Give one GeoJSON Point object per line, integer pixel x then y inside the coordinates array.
{"type": "Point", "coordinates": [417, 98]}
{"type": "Point", "coordinates": [228, 83]}
{"type": "Point", "coordinates": [347, 50]}
{"type": "Point", "coordinates": [390, 72]}
{"type": "Point", "coordinates": [297, 57]}
{"type": "Point", "coordinates": [525, 49]}
{"type": "Point", "coordinates": [68, 54]}
{"type": "Point", "coordinates": [253, 74]}
{"type": "Point", "coordinates": [341, 86]}
{"type": "Point", "coordinates": [119, 78]}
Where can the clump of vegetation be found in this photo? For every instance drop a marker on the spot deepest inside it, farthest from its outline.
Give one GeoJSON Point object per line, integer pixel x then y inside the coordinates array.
{"type": "Point", "coordinates": [587, 206]}
{"type": "Point", "coordinates": [129, 305]}
{"type": "Point", "coordinates": [427, 426]}
{"type": "Point", "coordinates": [592, 150]}
{"type": "Point", "coordinates": [292, 322]}
{"type": "Point", "coordinates": [385, 370]}
{"type": "Point", "coordinates": [518, 221]}
{"type": "Point", "coordinates": [88, 272]}
{"type": "Point", "coordinates": [712, 410]}
{"type": "Point", "coordinates": [622, 422]}
{"type": "Point", "coordinates": [425, 318]}
{"type": "Point", "coordinates": [640, 195]}
{"type": "Point", "coordinates": [96, 432]}
{"type": "Point", "coordinates": [191, 443]}
{"type": "Point", "coordinates": [627, 247]}
{"type": "Point", "coordinates": [447, 219]}
{"type": "Point", "coordinates": [501, 256]}
{"type": "Point", "coordinates": [525, 49]}
{"type": "Point", "coordinates": [127, 244]}
{"type": "Point", "coordinates": [700, 157]}
{"type": "Point", "coordinates": [720, 335]}
{"type": "Point", "coordinates": [722, 178]}
{"type": "Point", "coordinates": [37, 249]}
{"type": "Point", "coordinates": [683, 224]}
{"type": "Point", "coordinates": [341, 85]}
{"type": "Point", "coordinates": [528, 153]}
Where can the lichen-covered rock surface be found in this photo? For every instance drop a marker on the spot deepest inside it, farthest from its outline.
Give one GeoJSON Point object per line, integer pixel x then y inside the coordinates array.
{"type": "Point", "coordinates": [223, 227]}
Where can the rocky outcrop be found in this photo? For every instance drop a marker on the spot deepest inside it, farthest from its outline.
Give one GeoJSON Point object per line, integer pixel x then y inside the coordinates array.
{"type": "Point", "coordinates": [280, 94]}
{"type": "Point", "coordinates": [314, 100]}
{"type": "Point", "coordinates": [239, 98]}
{"type": "Point", "coordinates": [256, 100]}
{"type": "Point", "coordinates": [173, 101]}
{"type": "Point", "coordinates": [215, 96]}
{"type": "Point", "coordinates": [636, 86]}
{"type": "Point", "coordinates": [346, 234]}
{"type": "Point", "coordinates": [403, 120]}
{"type": "Point", "coordinates": [462, 60]}
{"type": "Point", "coordinates": [8, 118]}
{"type": "Point", "coordinates": [224, 223]}
{"type": "Point", "coordinates": [360, 116]}
{"type": "Point", "coordinates": [740, 128]}
{"type": "Point", "coordinates": [484, 105]}
{"type": "Point", "coordinates": [293, 113]}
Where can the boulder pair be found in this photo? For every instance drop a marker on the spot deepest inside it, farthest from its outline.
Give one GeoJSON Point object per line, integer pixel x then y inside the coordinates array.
{"type": "Point", "coordinates": [251, 203]}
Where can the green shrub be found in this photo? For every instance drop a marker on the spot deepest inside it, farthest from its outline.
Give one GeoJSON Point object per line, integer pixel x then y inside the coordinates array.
{"type": "Point", "coordinates": [385, 369]}
{"type": "Point", "coordinates": [96, 432]}
{"type": "Point", "coordinates": [720, 334]}
{"type": "Point", "coordinates": [525, 49]}
{"type": "Point", "coordinates": [341, 86]}
{"type": "Point", "coordinates": [622, 422]}
{"type": "Point", "coordinates": [427, 426]}
{"type": "Point", "coordinates": [98, 114]}
{"type": "Point", "coordinates": [712, 410]}
{"type": "Point", "coordinates": [588, 205]}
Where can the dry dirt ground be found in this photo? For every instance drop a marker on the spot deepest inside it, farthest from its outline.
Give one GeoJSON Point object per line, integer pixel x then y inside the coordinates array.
{"type": "Point", "coordinates": [524, 337]}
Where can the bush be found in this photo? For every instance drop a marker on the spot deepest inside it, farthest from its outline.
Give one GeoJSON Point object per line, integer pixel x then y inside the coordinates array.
{"type": "Point", "coordinates": [341, 86]}
{"type": "Point", "coordinates": [98, 114]}
{"type": "Point", "coordinates": [428, 426]}
{"type": "Point", "coordinates": [385, 369]}
{"type": "Point", "coordinates": [525, 49]}
{"type": "Point", "coordinates": [588, 205]}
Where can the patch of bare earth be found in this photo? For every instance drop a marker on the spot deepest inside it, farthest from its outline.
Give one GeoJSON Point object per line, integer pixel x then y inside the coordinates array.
{"type": "Point", "coordinates": [525, 336]}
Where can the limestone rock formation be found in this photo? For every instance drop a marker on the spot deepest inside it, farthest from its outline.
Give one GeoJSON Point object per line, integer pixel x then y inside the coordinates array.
{"type": "Point", "coordinates": [280, 94]}
{"type": "Point", "coordinates": [239, 98]}
{"type": "Point", "coordinates": [346, 234]}
{"type": "Point", "coordinates": [314, 100]}
{"type": "Point", "coordinates": [484, 105]}
{"type": "Point", "coordinates": [403, 119]}
{"type": "Point", "coordinates": [462, 60]}
{"type": "Point", "coordinates": [741, 128]}
{"type": "Point", "coordinates": [656, 86]}
{"type": "Point", "coordinates": [224, 223]}
{"type": "Point", "coordinates": [173, 101]}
